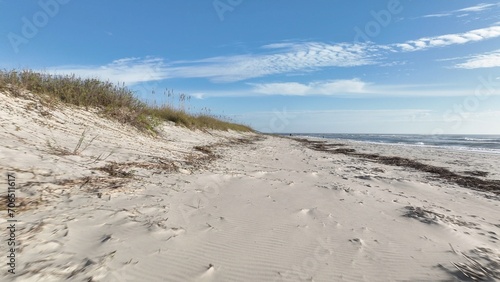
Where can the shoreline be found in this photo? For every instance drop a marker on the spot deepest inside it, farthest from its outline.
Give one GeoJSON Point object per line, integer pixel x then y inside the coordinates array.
{"type": "Point", "coordinates": [474, 179]}
{"type": "Point", "coordinates": [190, 205]}
{"type": "Point", "coordinates": [446, 157]}
{"type": "Point", "coordinates": [453, 148]}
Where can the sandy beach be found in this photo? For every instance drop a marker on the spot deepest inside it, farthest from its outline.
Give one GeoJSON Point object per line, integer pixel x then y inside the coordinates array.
{"type": "Point", "coordinates": [98, 200]}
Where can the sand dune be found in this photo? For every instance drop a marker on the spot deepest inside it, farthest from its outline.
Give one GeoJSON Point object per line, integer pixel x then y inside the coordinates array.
{"type": "Point", "coordinates": [241, 207]}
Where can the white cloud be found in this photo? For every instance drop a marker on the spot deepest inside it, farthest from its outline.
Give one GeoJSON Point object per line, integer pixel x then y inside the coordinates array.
{"type": "Point", "coordinates": [478, 7]}
{"type": "Point", "coordinates": [287, 58]}
{"type": "Point", "coordinates": [348, 120]}
{"type": "Point", "coordinates": [314, 88]}
{"type": "Point", "coordinates": [278, 45]}
{"type": "Point", "coordinates": [128, 70]}
{"type": "Point", "coordinates": [385, 112]}
{"type": "Point", "coordinates": [285, 88]}
{"type": "Point", "coordinates": [449, 39]}
{"type": "Point", "coordinates": [283, 58]}
{"type": "Point", "coordinates": [198, 95]}
{"type": "Point", "coordinates": [474, 9]}
{"type": "Point", "coordinates": [351, 87]}
{"type": "Point", "coordinates": [394, 63]}
{"type": "Point", "coordinates": [341, 86]}
{"type": "Point", "coordinates": [274, 59]}
{"type": "Point", "coordinates": [437, 15]}
{"type": "Point", "coordinates": [487, 60]}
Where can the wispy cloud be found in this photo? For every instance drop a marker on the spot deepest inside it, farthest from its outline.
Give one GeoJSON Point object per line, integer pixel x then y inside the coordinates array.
{"type": "Point", "coordinates": [460, 12]}
{"type": "Point", "coordinates": [486, 60]}
{"type": "Point", "coordinates": [478, 8]}
{"type": "Point", "coordinates": [449, 39]}
{"type": "Point", "coordinates": [348, 120]}
{"type": "Point", "coordinates": [407, 113]}
{"type": "Point", "coordinates": [333, 87]}
{"type": "Point", "coordinates": [128, 70]}
{"type": "Point", "coordinates": [285, 58]}
{"type": "Point", "coordinates": [437, 15]}
{"type": "Point", "coordinates": [345, 87]}
{"type": "Point", "coordinates": [276, 59]}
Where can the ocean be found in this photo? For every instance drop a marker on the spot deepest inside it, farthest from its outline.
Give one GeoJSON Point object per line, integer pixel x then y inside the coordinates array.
{"type": "Point", "coordinates": [479, 143]}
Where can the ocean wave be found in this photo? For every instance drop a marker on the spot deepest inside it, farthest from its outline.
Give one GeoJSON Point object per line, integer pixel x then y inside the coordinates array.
{"type": "Point", "coordinates": [485, 143]}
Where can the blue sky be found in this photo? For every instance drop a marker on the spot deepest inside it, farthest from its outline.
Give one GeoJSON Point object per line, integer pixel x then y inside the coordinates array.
{"type": "Point", "coordinates": [371, 66]}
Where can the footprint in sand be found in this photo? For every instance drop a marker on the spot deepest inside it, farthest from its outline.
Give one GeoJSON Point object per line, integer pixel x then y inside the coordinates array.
{"type": "Point", "coordinates": [358, 242]}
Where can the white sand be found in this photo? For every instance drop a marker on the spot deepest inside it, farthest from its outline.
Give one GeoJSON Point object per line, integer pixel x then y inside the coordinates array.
{"type": "Point", "coordinates": [272, 210]}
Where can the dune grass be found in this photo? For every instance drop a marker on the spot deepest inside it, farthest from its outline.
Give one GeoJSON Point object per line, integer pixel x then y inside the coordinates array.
{"type": "Point", "coordinates": [114, 101]}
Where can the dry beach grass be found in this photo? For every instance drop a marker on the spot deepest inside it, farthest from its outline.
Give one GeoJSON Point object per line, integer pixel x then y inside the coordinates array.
{"type": "Point", "coordinates": [114, 101]}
